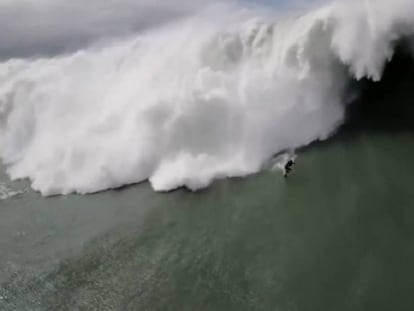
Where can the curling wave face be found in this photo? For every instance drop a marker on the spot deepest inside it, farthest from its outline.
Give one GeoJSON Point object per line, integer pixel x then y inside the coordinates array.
{"type": "Point", "coordinates": [210, 96]}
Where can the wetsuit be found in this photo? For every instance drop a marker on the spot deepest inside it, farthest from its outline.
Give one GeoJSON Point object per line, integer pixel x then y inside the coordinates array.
{"type": "Point", "coordinates": [288, 167]}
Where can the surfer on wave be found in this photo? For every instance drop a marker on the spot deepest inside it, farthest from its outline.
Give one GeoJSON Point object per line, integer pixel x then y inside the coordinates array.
{"type": "Point", "coordinates": [284, 161]}
{"type": "Point", "coordinates": [288, 167]}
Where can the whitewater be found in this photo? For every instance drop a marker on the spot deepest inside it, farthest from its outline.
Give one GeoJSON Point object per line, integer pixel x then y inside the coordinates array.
{"type": "Point", "coordinates": [211, 95]}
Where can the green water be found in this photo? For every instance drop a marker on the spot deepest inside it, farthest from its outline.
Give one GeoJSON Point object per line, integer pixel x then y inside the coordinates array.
{"type": "Point", "coordinates": [337, 235]}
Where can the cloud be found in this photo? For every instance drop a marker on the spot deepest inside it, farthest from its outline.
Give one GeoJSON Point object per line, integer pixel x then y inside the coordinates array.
{"type": "Point", "coordinates": [31, 28]}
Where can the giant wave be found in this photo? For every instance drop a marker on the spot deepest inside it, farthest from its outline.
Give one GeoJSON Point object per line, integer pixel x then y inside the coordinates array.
{"type": "Point", "coordinates": [209, 96]}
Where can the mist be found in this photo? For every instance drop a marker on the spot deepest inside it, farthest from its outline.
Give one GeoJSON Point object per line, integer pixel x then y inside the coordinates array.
{"type": "Point", "coordinates": [35, 28]}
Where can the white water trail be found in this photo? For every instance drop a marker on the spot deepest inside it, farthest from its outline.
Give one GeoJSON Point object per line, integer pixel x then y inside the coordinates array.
{"type": "Point", "coordinates": [211, 96]}
{"type": "Point", "coordinates": [6, 192]}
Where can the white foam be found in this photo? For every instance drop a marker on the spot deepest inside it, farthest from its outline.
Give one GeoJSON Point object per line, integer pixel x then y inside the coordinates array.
{"type": "Point", "coordinates": [6, 192]}
{"type": "Point", "coordinates": [212, 96]}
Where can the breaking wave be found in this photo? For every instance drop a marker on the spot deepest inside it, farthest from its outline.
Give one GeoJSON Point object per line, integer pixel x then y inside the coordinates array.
{"type": "Point", "coordinates": [210, 96]}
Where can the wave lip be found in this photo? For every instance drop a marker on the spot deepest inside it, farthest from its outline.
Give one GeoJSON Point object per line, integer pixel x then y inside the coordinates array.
{"type": "Point", "coordinates": [207, 97]}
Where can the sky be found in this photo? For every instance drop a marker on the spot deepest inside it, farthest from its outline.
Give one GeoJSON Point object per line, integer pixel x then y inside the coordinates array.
{"type": "Point", "coordinates": [31, 27]}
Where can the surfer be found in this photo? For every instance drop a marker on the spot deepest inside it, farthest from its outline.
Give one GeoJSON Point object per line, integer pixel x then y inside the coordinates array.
{"type": "Point", "coordinates": [284, 162]}
{"type": "Point", "coordinates": [288, 167]}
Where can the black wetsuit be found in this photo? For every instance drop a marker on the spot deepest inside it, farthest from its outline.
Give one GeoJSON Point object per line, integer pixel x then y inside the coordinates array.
{"type": "Point", "coordinates": [288, 167]}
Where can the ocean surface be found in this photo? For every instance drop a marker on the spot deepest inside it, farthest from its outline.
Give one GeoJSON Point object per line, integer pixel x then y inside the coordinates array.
{"type": "Point", "coordinates": [337, 235]}
{"type": "Point", "coordinates": [135, 174]}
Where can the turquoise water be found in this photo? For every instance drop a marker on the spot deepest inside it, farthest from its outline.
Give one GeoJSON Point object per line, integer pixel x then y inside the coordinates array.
{"type": "Point", "coordinates": [337, 235]}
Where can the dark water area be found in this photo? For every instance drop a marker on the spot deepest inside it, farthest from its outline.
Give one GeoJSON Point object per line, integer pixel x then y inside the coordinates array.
{"type": "Point", "coordinates": [385, 106]}
{"type": "Point", "coordinates": [337, 235]}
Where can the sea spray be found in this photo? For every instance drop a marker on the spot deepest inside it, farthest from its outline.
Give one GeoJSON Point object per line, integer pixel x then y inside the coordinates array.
{"type": "Point", "coordinates": [210, 96]}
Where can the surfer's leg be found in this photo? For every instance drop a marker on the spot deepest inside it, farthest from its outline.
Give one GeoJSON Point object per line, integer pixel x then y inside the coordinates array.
{"type": "Point", "coordinates": [287, 172]}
